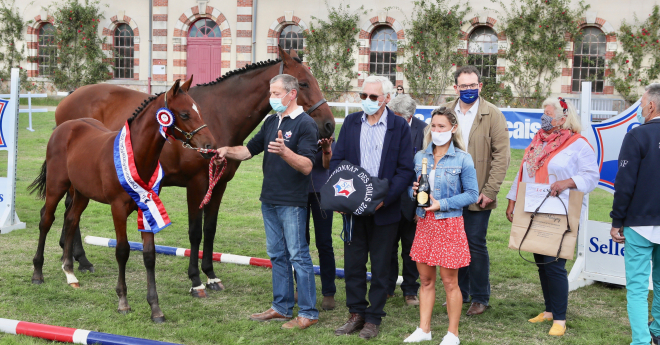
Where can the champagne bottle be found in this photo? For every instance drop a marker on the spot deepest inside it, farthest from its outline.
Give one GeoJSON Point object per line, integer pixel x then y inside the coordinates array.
{"type": "Point", "coordinates": [424, 189]}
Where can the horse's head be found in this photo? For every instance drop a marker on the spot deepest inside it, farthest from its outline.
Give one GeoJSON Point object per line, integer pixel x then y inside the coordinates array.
{"type": "Point", "coordinates": [188, 125]}
{"type": "Point", "coordinates": [310, 93]}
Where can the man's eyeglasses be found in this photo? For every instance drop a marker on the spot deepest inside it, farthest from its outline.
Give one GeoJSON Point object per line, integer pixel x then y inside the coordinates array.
{"type": "Point", "coordinates": [364, 96]}
{"type": "Point", "coordinates": [400, 89]}
{"type": "Point", "coordinates": [468, 86]}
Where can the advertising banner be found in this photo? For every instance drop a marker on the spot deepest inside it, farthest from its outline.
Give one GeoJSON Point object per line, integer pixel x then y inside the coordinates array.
{"type": "Point", "coordinates": [522, 123]}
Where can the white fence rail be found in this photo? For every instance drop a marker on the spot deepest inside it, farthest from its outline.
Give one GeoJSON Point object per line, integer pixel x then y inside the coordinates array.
{"type": "Point", "coordinates": [29, 109]}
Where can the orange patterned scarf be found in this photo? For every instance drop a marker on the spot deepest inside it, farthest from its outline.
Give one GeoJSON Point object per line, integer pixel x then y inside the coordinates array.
{"type": "Point", "coordinates": [536, 154]}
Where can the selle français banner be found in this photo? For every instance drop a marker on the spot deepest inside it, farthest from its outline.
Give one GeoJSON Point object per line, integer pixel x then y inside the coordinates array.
{"type": "Point", "coordinates": [522, 123]}
{"type": "Point", "coordinates": [605, 137]}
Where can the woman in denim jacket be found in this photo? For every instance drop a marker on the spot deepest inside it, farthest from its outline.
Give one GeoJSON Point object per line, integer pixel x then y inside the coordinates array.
{"type": "Point", "coordinates": [440, 236]}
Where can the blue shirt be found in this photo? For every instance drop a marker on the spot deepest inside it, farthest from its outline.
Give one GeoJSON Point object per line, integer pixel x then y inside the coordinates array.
{"type": "Point", "coordinates": [282, 184]}
{"type": "Point", "coordinates": [371, 143]}
{"type": "Point", "coordinates": [455, 181]}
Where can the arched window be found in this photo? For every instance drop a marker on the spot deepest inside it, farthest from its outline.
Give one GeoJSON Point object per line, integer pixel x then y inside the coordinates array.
{"type": "Point", "coordinates": [124, 49]}
{"type": "Point", "coordinates": [206, 28]}
{"type": "Point", "coordinates": [291, 37]}
{"type": "Point", "coordinates": [589, 60]}
{"type": "Point", "coordinates": [47, 50]}
{"type": "Point", "coordinates": [382, 58]}
{"type": "Point", "coordinates": [482, 52]}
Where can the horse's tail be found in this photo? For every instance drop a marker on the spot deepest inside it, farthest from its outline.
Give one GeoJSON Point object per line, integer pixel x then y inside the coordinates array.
{"type": "Point", "coordinates": [39, 184]}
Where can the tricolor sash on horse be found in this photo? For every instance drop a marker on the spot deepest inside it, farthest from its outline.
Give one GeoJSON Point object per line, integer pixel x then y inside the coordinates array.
{"type": "Point", "coordinates": [152, 216]}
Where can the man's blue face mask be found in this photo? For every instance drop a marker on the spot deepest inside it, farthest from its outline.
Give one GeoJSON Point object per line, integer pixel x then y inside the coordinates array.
{"type": "Point", "coordinates": [469, 96]}
{"type": "Point", "coordinates": [276, 104]}
{"type": "Point", "coordinates": [640, 117]}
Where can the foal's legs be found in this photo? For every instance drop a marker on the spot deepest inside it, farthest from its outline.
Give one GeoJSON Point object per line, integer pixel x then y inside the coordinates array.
{"type": "Point", "coordinates": [78, 251]}
{"type": "Point", "coordinates": [122, 251]}
{"type": "Point", "coordinates": [149, 255]}
{"type": "Point", "coordinates": [195, 197]}
{"type": "Point", "coordinates": [53, 197]}
{"type": "Point", "coordinates": [71, 222]}
{"type": "Point", "coordinates": [210, 225]}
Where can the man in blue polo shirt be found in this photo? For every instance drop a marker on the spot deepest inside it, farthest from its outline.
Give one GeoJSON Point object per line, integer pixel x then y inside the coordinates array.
{"type": "Point", "coordinates": [289, 142]}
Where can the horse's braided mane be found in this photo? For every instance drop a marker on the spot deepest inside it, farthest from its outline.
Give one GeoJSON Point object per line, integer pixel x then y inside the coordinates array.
{"type": "Point", "coordinates": [247, 68]}
{"type": "Point", "coordinates": [142, 106]}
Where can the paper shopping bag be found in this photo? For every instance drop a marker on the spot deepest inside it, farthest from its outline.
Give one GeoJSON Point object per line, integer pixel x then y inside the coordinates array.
{"type": "Point", "coordinates": [545, 234]}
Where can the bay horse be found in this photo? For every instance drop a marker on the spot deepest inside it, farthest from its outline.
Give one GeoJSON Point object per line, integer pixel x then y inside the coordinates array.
{"type": "Point", "coordinates": [81, 156]}
{"type": "Point", "coordinates": [234, 105]}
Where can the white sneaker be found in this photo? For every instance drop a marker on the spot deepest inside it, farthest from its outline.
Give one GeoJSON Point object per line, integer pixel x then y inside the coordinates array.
{"type": "Point", "coordinates": [450, 339]}
{"type": "Point", "coordinates": [417, 336]}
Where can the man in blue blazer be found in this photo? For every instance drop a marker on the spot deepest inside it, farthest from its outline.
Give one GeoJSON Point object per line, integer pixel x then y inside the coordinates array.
{"type": "Point", "coordinates": [378, 141]}
{"type": "Point", "coordinates": [403, 105]}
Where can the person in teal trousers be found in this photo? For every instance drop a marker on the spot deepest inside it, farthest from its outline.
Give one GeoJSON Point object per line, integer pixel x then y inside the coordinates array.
{"type": "Point", "coordinates": [636, 216]}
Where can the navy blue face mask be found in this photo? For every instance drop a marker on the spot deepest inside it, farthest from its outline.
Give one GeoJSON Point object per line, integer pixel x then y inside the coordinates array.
{"type": "Point", "coordinates": [469, 96]}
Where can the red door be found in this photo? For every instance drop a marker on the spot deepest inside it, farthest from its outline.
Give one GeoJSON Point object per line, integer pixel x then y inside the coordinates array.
{"type": "Point", "coordinates": [204, 59]}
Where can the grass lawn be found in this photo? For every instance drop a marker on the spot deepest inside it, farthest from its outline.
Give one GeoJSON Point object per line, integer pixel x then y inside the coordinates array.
{"type": "Point", "coordinates": [596, 314]}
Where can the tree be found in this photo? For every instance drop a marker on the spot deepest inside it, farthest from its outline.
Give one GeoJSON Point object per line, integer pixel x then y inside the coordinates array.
{"type": "Point", "coordinates": [11, 54]}
{"type": "Point", "coordinates": [638, 40]}
{"type": "Point", "coordinates": [433, 35]}
{"type": "Point", "coordinates": [330, 48]}
{"type": "Point", "coordinates": [80, 59]}
{"type": "Point", "coordinates": [537, 32]}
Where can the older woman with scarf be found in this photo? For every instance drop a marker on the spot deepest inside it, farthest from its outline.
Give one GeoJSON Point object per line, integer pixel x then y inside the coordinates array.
{"type": "Point", "coordinates": [561, 157]}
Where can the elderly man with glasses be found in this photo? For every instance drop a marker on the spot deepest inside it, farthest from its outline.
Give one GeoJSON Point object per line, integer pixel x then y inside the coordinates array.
{"type": "Point", "coordinates": [486, 137]}
{"type": "Point", "coordinates": [378, 141]}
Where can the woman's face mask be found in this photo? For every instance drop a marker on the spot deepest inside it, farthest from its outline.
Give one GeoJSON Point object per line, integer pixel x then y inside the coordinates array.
{"type": "Point", "coordinates": [441, 138]}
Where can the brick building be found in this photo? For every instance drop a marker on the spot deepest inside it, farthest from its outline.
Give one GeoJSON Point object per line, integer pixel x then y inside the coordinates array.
{"type": "Point", "coordinates": [208, 38]}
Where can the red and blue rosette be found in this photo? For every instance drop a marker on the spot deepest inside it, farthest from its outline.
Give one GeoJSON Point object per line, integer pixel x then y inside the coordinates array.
{"type": "Point", "coordinates": [165, 119]}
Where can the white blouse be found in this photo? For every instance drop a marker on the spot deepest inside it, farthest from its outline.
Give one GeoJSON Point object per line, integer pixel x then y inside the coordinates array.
{"type": "Point", "coordinates": [577, 162]}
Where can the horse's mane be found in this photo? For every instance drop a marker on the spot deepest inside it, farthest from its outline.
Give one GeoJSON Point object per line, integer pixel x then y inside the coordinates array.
{"type": "Point", "coordinates": [144, 103]}
{"type": "Point", "coordinates": [245, 69]}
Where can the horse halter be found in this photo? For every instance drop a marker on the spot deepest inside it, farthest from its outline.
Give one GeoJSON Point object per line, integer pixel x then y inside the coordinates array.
{"type": "Point", "coordinates": [313, 107]}
{"type": "Point", "coordinates": [187, 135]}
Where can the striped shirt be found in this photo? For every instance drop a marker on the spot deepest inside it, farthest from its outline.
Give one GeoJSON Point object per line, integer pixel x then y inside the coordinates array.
{"type": "Point", "coordinates": [372, 139]}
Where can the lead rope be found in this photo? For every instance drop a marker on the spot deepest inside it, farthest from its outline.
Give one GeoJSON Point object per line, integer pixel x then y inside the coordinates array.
{"type": "Point", "coordinates": [215, 173]}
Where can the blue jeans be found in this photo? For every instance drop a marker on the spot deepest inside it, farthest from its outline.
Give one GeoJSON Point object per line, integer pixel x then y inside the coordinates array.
{"type": "Point", "coordinates": [286, 246]}
{"type": "Point", "coordinates": [474, 280]}
{"type": "Point", "coordinates": [554, 284]}
{"type": "Point", "coordinates": [640, 252]}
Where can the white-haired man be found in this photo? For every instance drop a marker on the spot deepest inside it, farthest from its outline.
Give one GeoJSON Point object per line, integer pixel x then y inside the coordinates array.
{"type": "Point", "coordinates": [404, 106]}
{"type": "Point", "coordinates": [378, 141]}
{"type": "Point", "coordinates": [636, 216]}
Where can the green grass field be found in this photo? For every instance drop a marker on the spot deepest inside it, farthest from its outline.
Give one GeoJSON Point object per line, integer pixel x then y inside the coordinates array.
{"type": "Point", "coordinates": [596, 314]}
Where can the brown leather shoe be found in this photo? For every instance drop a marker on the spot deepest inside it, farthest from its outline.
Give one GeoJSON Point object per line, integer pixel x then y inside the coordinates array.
{"type": "Point", "coordinates": [328, 303]}
{"type": "Point", "coordinates": [354, 324]}
{"type": "Point", "coordinates": [369, 331]}
{"type": "Point", "coordinates": [300, 323]}
{"type": "Point", "coordinates": [269, 315]}
{"type": "Point", "coordinates": [411, 300]}
{"type": "Point", "coordinates": [476, 308]}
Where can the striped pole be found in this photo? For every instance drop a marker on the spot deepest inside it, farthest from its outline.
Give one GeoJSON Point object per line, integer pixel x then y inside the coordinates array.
{"type": "Point", "coordinates": [71, 335]}
{"type": "Point", "coordinates": [219, 257]}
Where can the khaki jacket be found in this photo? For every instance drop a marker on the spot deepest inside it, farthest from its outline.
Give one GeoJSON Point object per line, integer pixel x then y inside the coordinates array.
{"type": "Point", "coordinates": [490, 149]}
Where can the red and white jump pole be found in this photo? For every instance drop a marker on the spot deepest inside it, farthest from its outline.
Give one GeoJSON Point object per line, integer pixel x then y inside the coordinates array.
{"type": "Point", "coordinates": [71, 335]}
{"type": "Point", "coordinates": [219, 257]}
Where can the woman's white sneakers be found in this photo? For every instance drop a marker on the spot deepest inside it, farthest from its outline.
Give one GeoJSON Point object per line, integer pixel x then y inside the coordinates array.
{"type": "Point", "coordinates": [450, 339]}
{"type": "Point", "coordinates": [418, 335]}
